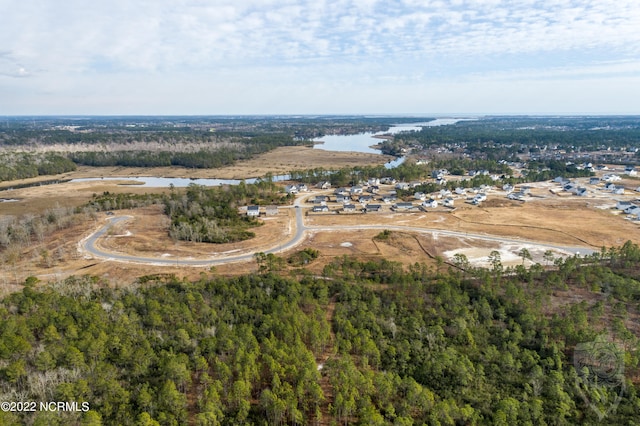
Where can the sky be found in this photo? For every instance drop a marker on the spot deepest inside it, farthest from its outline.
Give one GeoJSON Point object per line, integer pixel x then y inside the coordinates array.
{"type": "Point", "coordinates": [230, 57]}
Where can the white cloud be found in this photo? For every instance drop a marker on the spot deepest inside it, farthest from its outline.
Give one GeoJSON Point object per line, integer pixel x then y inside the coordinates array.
{"type": "Point", "coordinates": [68, 44]}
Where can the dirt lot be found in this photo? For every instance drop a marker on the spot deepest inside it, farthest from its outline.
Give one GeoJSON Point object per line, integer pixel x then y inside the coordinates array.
{"type": "Point", "coordinates": [568, 222]}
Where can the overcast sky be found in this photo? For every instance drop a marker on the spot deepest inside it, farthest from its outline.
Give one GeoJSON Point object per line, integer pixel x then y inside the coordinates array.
{"type": "Point", "coordinates": [319, 57]}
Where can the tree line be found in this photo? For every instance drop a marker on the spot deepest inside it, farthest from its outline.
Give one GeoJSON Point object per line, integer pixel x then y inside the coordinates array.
{"type": "Point", "coordinates": [407, 344]}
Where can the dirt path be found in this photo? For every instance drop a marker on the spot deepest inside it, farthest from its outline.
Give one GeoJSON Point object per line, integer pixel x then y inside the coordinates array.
{"type": "Point", "coordinates": [329, 350]}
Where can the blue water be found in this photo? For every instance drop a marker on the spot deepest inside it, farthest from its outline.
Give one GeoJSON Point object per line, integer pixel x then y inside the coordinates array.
{"type": "Point", "coordinates": [362, 142]}
{"type": "Point", "coordinates": [163, 182]}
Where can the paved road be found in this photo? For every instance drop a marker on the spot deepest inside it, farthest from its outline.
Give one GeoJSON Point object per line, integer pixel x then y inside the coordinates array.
{"type": "Point", "coordinates": [89, 244]}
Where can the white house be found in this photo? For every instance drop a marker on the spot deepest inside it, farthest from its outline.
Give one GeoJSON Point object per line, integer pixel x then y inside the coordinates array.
{"type": "Point", "coordinates": [349, 208]}
{"type": "Point", "coordinates": [623, 205]}
{"type": "Point", "coordinates": [373, 181]}
{"type": "Point", "coordinates": [419, 195]}
{"type": "Point", "coordinates": [581, 192]}
{"type": "Point", "coordinates": [253, 211]}
{"type": "Point", "coordinates": [402, 206]}
{"type": "Point", "coordinates": [448, 202]}
{"type": "Point", "coordinates": [325, 184]}
{"type": "Point", "coordinates": [291, 189]}
{"type": "Point", "coordinates": [431, 203]}
{"type": "Point", "coordinates": [480, 197]}
{"type": "Point", "coordinates": [635, 210]}
{"type": "Point", "coordinates": [356, 190]}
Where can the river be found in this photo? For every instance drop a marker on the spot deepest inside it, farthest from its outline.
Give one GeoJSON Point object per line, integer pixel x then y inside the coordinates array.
{"type": "Point", "coordinates": [364, 142]}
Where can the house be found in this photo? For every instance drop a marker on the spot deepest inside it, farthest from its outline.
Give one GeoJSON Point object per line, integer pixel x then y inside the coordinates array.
{"type": "Point", "coordinates": [325, 184]}
{"type": "Point", "coordinates": [441, 181]}
{"type": "Point", "coordinates": [356, 190]}
{"type": "Point", "coordinates": [518, 196]}
{"type": "Point", "coordinates": [448, 202]}
{"type": "Point", "coordinates": [388, 181]}
{"type": "Point", "coordinates": [320, 199]}
{"type": "Point", "coordinates": [373, 181]}
{"type": "Point", "coordinates": [619, 190]}
{"type": "Point", "coordinates": [402, 185]}
{"type": "Point", "coordinates": [291, 189]}
{"type": "Point", "coordinates": [525, 189]}
{"type": "Point", "coordinates": [431, 203]}
{"type": "Point", "coordinates": [343, 198]}
{"type": "Point", "coordinates": [581, 191]}
{"type": "Point", "coordinates": [402, 206]}
{"type": "Point", "coordinates": [460, 191]}
{"type": "Point", "coordinates": [629, 208]}
{"type": "Point", "coordinates": [561, 180]}
{"type": "Point", "coordinates": [271, 210]}
{"type": "Point", "coordinates": [364, 199]}
{"type": "Point", "coordinates": [420, 196]}
{"type": "Point", "coordinates": [320, 209]}
{"type": "Point", "coordinates": [610, 186]}
{"type": "Point", "coordinates": [415, 184]}
{"type": "Point", "coordinates": [253, 211]}
{"type": "Point", "coordinates": [594, 181]}
{"type": "Point", "coordinates": [439, 173]}
{"type": "Point", "coordinates": [635, 210]}
{"type": "Point", "coordinates": [445, 193]}
{"type": "Point", "coordinates": [507, 187]}
{"type": "Point", "coordinates": [373, 189]}
{"type": "Point", "coordinates": [389, 198]}
{"type": "Point", "coordinates": [349, 208]}
{"type": "Point", "coordinates": [341, 191]}
{"type": "Point", "coordinates": [373, 208]}
{"type": "Point", "coordinates": [623, 205]}
{"type": "Point", "coordinates": [611, 178]}
{"type": "Point", "coordinates": [480, 197]}
{"type": "Point", "coordinates": [303, 187]}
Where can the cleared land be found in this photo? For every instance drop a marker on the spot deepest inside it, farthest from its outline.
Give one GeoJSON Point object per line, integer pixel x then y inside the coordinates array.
{"type": "Point", "coordinates": [559, 219]}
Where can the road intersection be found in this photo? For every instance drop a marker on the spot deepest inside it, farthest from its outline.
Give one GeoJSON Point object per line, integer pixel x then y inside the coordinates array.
{"type": "Point", "coordinates": [90, 247]}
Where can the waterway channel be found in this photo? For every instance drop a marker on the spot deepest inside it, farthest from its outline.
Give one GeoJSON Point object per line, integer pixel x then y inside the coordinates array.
{"type": "Point", "coordinates": [361, 142]}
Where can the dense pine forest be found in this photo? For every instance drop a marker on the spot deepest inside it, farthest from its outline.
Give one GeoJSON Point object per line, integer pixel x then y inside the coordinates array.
{"type": "Point", "coordinates": [365, 343]}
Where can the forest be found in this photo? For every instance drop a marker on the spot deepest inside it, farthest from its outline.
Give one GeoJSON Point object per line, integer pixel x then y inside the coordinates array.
{"type": "Point", "coordinates": [369, 342]}
{"type": "Point", "coordinates": [211, 215]}
{"type": "Point", "coordinates": [519, 133]}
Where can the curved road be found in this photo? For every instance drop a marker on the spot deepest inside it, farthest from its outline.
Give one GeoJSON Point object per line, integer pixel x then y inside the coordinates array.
{"type": "Point", "coordinates": [88, 244]}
